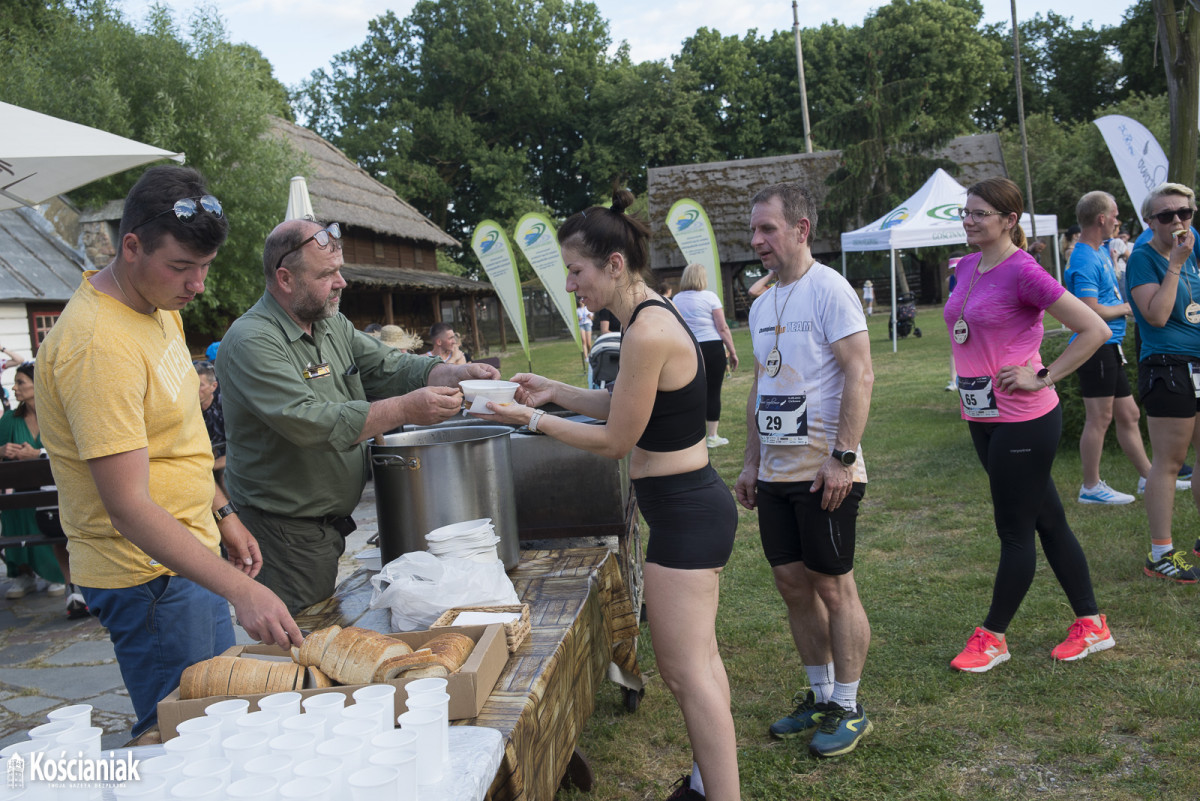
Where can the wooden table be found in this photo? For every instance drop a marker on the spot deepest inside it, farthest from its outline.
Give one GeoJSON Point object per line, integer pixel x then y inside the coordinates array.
{"type": "Point", "coordinates": [582, 620]}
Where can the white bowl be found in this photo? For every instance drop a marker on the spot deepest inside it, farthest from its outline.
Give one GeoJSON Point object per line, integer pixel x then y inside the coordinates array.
{"type": "Point", "coordinates": [494, 391]}
{"type": "Point", "coordinates": [458, 529]}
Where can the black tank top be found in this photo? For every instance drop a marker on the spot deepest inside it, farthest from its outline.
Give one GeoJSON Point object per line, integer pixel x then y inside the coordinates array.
{"type": "Point", "coordinates": [677, 419]}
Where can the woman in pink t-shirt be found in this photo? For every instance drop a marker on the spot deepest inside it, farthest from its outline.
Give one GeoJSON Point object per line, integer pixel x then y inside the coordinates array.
{"type": "Point", "coordinates": [1007, 396]}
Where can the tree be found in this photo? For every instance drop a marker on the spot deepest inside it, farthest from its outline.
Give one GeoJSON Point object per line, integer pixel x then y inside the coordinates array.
{"type": "Point", "coordinates": [91, 67]}
{"type": "Point", "coordinates": [1136, 38]}
{"type": "Point", "coordinates": [1179, 37]}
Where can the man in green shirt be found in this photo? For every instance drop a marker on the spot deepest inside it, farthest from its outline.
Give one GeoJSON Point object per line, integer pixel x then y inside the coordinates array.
{"type": "Point", "coordinates": [295, 376]}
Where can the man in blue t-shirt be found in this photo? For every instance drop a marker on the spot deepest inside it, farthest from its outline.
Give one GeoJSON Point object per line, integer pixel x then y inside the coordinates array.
{"type": "Point", "coordinates": [1102, 380]}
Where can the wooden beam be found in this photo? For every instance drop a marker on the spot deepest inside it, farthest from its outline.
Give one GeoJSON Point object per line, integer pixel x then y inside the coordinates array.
{"type": "Point", "coordinates": [389, 318]}
{"type": "Point", "coordinates": [477, 345]}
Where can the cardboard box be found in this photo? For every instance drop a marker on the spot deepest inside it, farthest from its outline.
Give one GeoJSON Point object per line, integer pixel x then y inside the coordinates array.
{"type": "Point", "coordinates": [469, 688]}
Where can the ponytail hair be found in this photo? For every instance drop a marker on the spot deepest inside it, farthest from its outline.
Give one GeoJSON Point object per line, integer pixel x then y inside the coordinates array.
{"type": "Point", "coordinates": [1005, 197]}
{"type": "Point", "coordinates": [602, 231]}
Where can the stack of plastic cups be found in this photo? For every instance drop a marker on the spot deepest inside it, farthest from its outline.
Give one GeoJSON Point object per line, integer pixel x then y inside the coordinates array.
{"type": "Point", "coordinates": [228, 712]}
{"type": "Point", "coordinates": [426, 724]}
{"type": "Point", "coordinates": [398, 749]}
{"type": "Point", "coordinates": [243, 747]}
{"type": "Point", "coordinates": [439, 703]}
{"type": "Point", "coordinates": [282, 705]}
{"type": "Point", "coordinates": [327, 706]}
{"type": "Point", "coordinates": [373, 783]}
{"type": "Point", "coordinates": [78, 715]}
{"type": "Point", "coordinates": [260, 788]}
{"type": "Point", "coordinates": [383, 698]}
{"type": "Point", "coordinates": [209, 727]}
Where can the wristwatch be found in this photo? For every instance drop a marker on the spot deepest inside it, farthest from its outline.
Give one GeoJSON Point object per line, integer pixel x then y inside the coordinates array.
{"type": "Point", "coordinates": [845, 457]}
{"type": "Point", "coordinates": [224, 512]}
{"type": "Point", "coordinates": [1044, 376]}
{"type": "Point", "coordinates": [533, 420]}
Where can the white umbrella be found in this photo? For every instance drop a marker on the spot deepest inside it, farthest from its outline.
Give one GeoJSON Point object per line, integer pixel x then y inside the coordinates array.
{"type": "Point", "coordinates": [299, 205]}
{"type": "Point", "coordinates": [42, 156]}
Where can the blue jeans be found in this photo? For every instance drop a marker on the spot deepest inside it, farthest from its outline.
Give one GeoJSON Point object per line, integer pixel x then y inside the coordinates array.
{"type": "Point", "coordinates": [157, 630]}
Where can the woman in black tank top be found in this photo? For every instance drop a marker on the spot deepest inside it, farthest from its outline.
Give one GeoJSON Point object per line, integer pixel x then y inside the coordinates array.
{"type": "Point", "coordinates": [655, 412]}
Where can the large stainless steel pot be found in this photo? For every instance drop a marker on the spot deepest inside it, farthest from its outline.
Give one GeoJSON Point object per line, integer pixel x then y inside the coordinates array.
{"type": "Point", "coordinates": [437, 476]}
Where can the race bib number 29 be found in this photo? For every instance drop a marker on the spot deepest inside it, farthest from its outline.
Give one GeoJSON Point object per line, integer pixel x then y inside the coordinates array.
{"type": "Point", "coordinates": [782, 419]}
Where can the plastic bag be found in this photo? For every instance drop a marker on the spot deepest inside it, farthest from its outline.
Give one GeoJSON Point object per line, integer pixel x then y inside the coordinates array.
{"type": "Point", "coordinates": [418, 587]}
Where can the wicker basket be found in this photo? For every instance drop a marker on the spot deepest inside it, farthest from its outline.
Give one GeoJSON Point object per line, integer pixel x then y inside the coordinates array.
{"type": "Point", "coordinates": [515, 631]}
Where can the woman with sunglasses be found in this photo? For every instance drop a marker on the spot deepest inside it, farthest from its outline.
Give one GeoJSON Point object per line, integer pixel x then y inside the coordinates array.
{"type": "Point", "coordinates": [1008, 400]}
{"type": "Point", "coordinates": [1164, 288]}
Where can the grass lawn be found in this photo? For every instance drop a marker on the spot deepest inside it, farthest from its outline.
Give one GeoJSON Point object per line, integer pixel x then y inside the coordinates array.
{"type": "Point", "coordinates": [1123, 724]}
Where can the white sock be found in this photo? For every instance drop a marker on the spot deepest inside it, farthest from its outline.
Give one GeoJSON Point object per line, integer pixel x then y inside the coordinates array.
{"type": "Point", "coordinates": [1159, 551]}
{"type": "Point", "coordinates": [820, 678]}
{"type": "Point", "coordinates": [846, 695]}
{"type": "Point", "coordinates": [696, 783]}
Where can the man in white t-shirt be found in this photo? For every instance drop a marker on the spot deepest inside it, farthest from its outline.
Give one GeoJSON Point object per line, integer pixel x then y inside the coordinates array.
{"type": "Point", "coordinates": [803, 470]}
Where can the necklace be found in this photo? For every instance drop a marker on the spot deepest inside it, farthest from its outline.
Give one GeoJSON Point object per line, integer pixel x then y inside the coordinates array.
{"type": "Point", "coordinates": [774, 359]}
{"type": "Point", "coordinates": [130, 302]}
{"type": "Point", "coordinates": [961, 330]}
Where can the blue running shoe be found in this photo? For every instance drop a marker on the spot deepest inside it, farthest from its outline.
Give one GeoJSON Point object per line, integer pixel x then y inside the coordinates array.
{"type": "Point", "coordinates": [805, 718]}
{"type": "Point", "coordinates": [839, 731]}
{"type": "Point", "coordinates": [1185, 471]}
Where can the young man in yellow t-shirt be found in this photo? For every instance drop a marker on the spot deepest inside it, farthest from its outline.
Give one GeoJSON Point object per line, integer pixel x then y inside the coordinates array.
{"type": "Point", "coordinates": [119, 408]}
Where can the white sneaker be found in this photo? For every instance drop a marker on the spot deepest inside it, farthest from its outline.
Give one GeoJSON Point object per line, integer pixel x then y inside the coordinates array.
{"type": "Point", "coordinates": [56, 589]}
{"type": "Point", "coordinates": [716, 441]}
{"type": "Point", "coordinates": [24, 583]}
{"type": "Point", "coordinates": [952, 387]}
{"type": "Point", "coordinates": [1181, 484]}
{"type": "Point", "coordinates": [1102, 493]}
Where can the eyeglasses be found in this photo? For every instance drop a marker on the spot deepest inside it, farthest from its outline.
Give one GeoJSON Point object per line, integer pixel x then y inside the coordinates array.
{"type": "Point", "coordinates": [1165, 217]}
{"type": "Point", "coordinates": [202, 364]}
{"type": "Point", "coordinates": [187, 208]}
{"type": "Point", "coordinates": [331, 233]}
{"type": "Point", "coordinates": [978, 215]}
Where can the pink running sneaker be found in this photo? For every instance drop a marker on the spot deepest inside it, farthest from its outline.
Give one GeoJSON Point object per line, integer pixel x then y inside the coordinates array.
{"type": "Point", "coordinates": [1083, 638]}
{"type": "Point", "coordinates": [983, 652]}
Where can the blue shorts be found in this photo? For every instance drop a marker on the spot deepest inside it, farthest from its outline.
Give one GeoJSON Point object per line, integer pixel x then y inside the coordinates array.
{"type": "Point", "coordinates": [157, 630]}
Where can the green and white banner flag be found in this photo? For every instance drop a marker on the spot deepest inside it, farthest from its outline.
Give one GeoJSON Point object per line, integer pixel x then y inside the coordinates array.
{"type": "Point", "coordinates": [535, 237]}
{"type": "Point", "coordinates": [694, 235]}
{"type": "Point", "coordinates": [495, 253]}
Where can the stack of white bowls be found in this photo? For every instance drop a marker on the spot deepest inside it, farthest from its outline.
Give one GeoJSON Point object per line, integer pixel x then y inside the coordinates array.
{"type": "Point", "coordinates": [473, 539]}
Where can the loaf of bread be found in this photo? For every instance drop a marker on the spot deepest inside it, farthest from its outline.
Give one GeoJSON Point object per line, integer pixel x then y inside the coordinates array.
{"type": "Point", "coordinates": [314, 679]}
{"type": "Point", "coordinates": [418, 664]}
{"type": "Point", "coordinates": [452, 649]}
{"type": "Point", "coordinates": [354, 654]}
{"type": "Point", "coordinates": [249, 676]}
{"type": "Point", "coordinates": [216, 679]}
{"type": "Point", "coordinates": [313, 648]}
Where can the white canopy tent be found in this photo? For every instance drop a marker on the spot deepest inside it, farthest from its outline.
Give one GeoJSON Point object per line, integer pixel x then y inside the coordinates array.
{"type": "Point", "coordinates": [928, 219]}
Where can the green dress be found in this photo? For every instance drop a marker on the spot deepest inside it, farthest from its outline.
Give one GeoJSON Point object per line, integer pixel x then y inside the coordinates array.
{"type": "Point", "coordinates": [23, 522]}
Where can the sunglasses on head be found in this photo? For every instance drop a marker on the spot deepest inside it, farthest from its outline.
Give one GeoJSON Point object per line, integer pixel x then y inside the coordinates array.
{"type": "Point", "coordinates": [186, 209]}
{"type": "Point", "coordinates": [330, 233]}
{"type": "Point", "coordinates": [1165, 217]}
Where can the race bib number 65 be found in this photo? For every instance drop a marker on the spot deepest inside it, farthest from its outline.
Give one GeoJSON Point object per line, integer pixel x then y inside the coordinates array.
{"type": "Point", "coordinates": [782, 419]}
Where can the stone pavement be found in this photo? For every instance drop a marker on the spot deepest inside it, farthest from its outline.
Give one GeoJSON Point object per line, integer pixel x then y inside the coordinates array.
{"type": "Point", "coordinates": [47, 661]}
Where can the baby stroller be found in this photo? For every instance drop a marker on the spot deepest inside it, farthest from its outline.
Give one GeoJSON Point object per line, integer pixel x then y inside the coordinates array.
{"type": "Point", "coordinates": [603, 360]}
{"type": "Point", "coordinates": [906, 314]}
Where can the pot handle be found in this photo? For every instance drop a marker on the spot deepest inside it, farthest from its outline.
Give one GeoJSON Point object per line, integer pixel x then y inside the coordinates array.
{"type": "Point", "coordinates": [391, 460]}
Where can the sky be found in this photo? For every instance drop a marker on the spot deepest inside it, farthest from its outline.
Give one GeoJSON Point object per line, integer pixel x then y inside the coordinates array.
{"type": "Point", "coordinates": [299, 36]}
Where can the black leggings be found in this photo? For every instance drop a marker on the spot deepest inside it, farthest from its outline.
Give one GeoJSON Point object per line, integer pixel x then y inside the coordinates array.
{"type": "Point", "coordinates": [713, 352]}
{"type": "Point", "coordinates": [1017, 458]}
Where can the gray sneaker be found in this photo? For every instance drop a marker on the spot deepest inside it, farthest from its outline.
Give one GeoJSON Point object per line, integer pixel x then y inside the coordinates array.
{"type": "Point", "coordinates": [805, 718]}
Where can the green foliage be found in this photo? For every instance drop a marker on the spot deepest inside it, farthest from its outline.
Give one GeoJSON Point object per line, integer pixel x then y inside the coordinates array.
{"type": "Point", "coordinates": [91, 67]}
{"type": "Point", "coordinates": [1136, 39]}
{"type": "Point", "coordinates": [1074, 414]}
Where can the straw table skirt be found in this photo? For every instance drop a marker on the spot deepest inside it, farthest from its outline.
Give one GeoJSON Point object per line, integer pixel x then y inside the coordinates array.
{"type": "Point", "coordinates": [582, 618]}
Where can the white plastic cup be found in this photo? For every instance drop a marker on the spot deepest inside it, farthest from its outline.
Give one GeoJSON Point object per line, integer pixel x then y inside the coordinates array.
{"type": "Point", "coordinates": [307, 788]}
{"type": "Point", "coordinates": [24, 747]}
{"type": "Point", "coordinates": [284, 705]}
{"type": "Point", "coordinates": [327, 706]}
{"type": "Point", "coordinates": [189, 746]}
{"type": "Point", "coordinates": [440, 703]}
{"type": "Point", "coordinates": [273, 765]}
{"type": "Point", "coordinates": [373, 782]}
{"type": "Point", "coordinates": [155, 787]}
{"type": "Point", "coordinates": [405, 763]}
{"type": "Point", "coordinates": [81, 742]}
{"type": "Point", "coordinates": [300, 745]}
{"type": "Point", "coordinates": [426, 723]}
{"type": "Point", "coordinates": [168, 766]}
{"type": "Point", "coordinates": [267, 723]}
{"type": "Point", "coordinates": [308, 723]}
{"type": "Point", "coordinates": [79, 715]}
{"type": "Point", "coordinates": [207, 788]}
{"type": "Point", "coordinates": [205, 726]}
{"type": "Point", "coordinates": [383, 697]}
{"type": "Point", "coordinates": [243, 747]}
{"type": "Point", "coordinates": [362, 729]}
{"type": "Point", "coordinates": [218, 767]}
{"type": "Point", "coordinates": [228, 712]}
{"type": "Point", "coordinates": [261, 788]}
{"type": "Point", "coordinates": [394, 740]}
{"type": "Point", "coordinates": [349, 752]}
{"type": "Point", "coordinates": [51, 731]}
{"type": "Point", "coordinates": [428, 685]}
{"type": "Point", "coordinates": [320, 767]}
